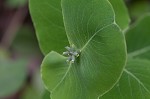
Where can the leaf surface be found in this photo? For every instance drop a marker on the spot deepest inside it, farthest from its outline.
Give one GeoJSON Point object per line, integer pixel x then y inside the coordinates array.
{"type": "Point", "coordinates": [49, 26]}
{"type": "Point", "coordinates": [135, 81]}
{"type": "Point", "coordinates": [93, 31]}
{"type": "Point", "coordinates": [138, 39]}
{"type": "Point", "coordinates": [121, 12]}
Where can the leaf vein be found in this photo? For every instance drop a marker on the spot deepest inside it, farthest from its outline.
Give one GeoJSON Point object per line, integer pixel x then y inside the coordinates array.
{"type": "Point", "coordinates": [139, 52]}
{"type": "Point", "coordinates": [141, 83]}
{"type": "Point", "coordinates": [94, 36]}
{"type": "Point", "coordinates": [62, 78]}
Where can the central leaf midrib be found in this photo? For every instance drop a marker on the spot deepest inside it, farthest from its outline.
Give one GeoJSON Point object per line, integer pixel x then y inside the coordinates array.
{"type": "Point", "coordinates": [138, 80]}
{"type": "Point", "coordinates": [95, 35]}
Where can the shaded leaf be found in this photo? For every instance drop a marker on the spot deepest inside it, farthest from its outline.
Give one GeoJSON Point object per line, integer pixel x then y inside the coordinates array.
{"type": "Point", "coordinates": [139, 8]}
{"type": "Point", "coordinates": [25, 42]}
{"type": "Point", "coordinates": [48, 22]}
{"type": "Point", "coordinates": [135, 81]}
{"type": "Point", "coordinates": [138, 39]}
{"type": "Point", "coordinates": [122, 16]}
{"type": "Point", "coordinates": [46, 95]}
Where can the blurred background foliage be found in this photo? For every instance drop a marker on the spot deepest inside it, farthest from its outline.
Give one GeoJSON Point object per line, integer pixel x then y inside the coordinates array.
{"type": "Point", "coordinates": [20, 56]}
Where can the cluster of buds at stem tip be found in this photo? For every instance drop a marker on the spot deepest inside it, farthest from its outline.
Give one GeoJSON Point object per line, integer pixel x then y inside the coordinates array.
{"type": "Point", "coordinates": [71, 53]}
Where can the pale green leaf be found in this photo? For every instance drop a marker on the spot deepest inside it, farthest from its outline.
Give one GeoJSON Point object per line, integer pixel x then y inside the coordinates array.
{"type": "Point", "coordinates": [49, 26]}
{"type": "Point", "coordinates": [93, 31]}
{"type": "Point", "coordinates": [121, 12]}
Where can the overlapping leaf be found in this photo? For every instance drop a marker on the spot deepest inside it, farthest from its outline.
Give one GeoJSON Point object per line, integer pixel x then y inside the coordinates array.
{"type": "Point", "coordinates": [122, 16]}
{"type": "Point", "coordinates": [138, 39]}
{"type": "Point", "coordinates": [135, 81]}
{"type": "Point", "coordinates": [93, 31]}
{"type": "Point", "coordinates": [48, 22]}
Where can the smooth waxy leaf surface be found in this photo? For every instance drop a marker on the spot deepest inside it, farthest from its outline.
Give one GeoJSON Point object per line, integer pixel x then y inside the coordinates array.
{"type": "Point", "coordinates": [12, 76]}
{"type": "Point", "coordinates": [135, 81]}
{"type": "Point", "coordinates": [93, 31]}
{"type": "Point", "coordinates": [122, 16]}
{"type": "Point", "coordinates": [48, 22]}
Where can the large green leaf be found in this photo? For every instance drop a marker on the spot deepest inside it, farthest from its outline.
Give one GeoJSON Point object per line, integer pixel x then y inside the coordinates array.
{"type": "Point", "coordinates": [122, 16]}
{"type": "Point", "coordinates": [48, 22]}
{"type": "Point", "coordinates": [138, 39]}
{"type": "Point", "coordinates": [135, 81]}
{"type": "Point", "coordinates": [92, 30]}
{"type": "Point", "coordinates": [12, 76]}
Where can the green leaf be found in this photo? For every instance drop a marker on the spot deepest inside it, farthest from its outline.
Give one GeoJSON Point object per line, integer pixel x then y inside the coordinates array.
{"type": "Point", "coordinates": [12, 76]}
{"type": "Point", "coordinates": [138, 39]}
{"type": "Point", "coordinates": [25, 42]}
{"type": "Point", "coordinates": [135, 81]}
{"type": "Point", "coordinates": [121, 12]}
{"type": "Point", "coordinates": [137, 9]}
{"type": "Point", "coordinates": [49, 26]}
{"type": "Point", "coordinates": [48, 22]}
{"type": "Point", "coordinates": [46, 95]}
{"type": "Point", "coordinates": [92, 30]}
